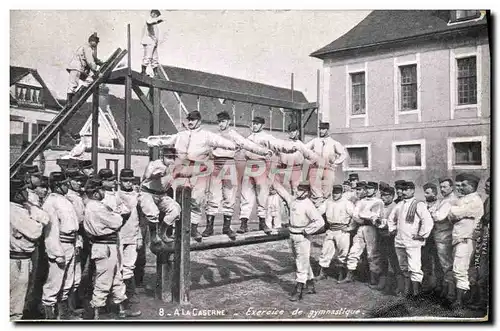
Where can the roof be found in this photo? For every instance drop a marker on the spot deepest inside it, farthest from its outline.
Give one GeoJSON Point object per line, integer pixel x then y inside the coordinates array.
{"type": "Point", "coordinates": [388, 26]}
{"type": "Point", "coordinates": [17, 73]}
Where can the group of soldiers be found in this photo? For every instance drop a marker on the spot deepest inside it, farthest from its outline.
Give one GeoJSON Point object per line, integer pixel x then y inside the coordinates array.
{"type": "Point", "coordinates": [85, 216]}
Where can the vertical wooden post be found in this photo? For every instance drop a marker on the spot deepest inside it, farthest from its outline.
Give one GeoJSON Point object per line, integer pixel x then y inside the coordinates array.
{"type": "Point", "coordinates": [155, 127]}
{"type": "Point", "coordinates": [128, 100]}
{"type": "Point", "coordinates": [182, 269]}
{"type": "Point", "coordinates": [291, 83]}
{"type": "Point", "coordinates": [299, 124]}
{"type": "Point", "coordinates": [317, 101]}
{"type": "Point", "coordinates": [95, 128]}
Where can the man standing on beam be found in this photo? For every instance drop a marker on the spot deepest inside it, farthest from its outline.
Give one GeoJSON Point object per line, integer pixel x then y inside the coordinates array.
{"type": "Point", "coordinates": [322, 176]}
{"type": "Point", "coordinates": [193, 147]}
{"type": "Point", "coordinates": [223, 180]}
{"type": "Point", "coordinates": [256, 179]}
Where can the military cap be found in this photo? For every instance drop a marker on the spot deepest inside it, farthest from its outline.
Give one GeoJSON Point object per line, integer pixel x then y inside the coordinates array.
{"type": "Point", "coordinates": [292, 127]}
{"type": "Point", "coordinates": [399, 183]}
{"type": "Point", "coordinates": [431, 186]}
{"type": "Point", "coordinates": [44, 182]}
{"type": "Point", "coordinates": [155, 11]}
{"type": "Point", "coordinates": [127, 174]}
{"type": "Point", "coordinates": [372, 185]}
{"type": "Point", "coordinates": [468, 177]}
{"type": "Point", "coordinates": [75, 174]}
{"type": "Point", "coordinates": [169, 151]}
{"type": "Point", "coordinates": [383, 185]}
{"type": "Point", "coordinates": [387, 191]}
{"type": "Point", "coordinates": [86, 164]}
{"type": "Point", "coordinates": [346, 182]}
{"type": "Point", "coordinates": [223, 115]}
{"type": "Point", "coordinates": [17, 185]}
{"type": "Point", "coordinates": [324, 125]}
{"type": "Point", "coordinates": [353, 177]}
{"type": "Point", "coordinates": [194, 115]}
{"type": "Point", "coordinates": [258, 119]}
{"type": "Point", "coordinates": [337, 189]}
{"type": "Point", "coordinates": [94, 37]}
{"type": "Point", "coordinates": [30, 169]}
{"type": "Point", "coordinates": [106, 174]}
{"type": "Point", "coordinates": [57, 177]}
{"type": "Point", "coordinates": [93, 184]}
{"type": "Point", "coordinates": [304, 186]}
{"type": "Point", "coordinates": [360, 185]}
{"type": "Point", "coordinates": [408, 185]}
{"type": "Point", "coordinates": [76, 136]}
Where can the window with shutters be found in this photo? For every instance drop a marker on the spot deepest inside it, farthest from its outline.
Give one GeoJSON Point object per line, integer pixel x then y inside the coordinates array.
{"type": "Point", "coordinates": [29, 95]}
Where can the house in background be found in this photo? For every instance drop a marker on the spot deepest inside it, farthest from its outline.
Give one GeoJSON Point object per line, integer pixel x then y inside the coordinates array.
{"type": "Point", "coordinates": [408, 93]}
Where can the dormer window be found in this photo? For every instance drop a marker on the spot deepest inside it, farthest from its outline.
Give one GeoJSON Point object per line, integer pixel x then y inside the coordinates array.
{"type": "Point", "coordinates": [464, 15]}
{"type": "Point", "coordinates": [29, 95]}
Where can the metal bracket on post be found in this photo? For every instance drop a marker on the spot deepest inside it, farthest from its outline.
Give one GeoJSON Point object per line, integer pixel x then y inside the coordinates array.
{"type": "Point", "coordinates": [182, 268]}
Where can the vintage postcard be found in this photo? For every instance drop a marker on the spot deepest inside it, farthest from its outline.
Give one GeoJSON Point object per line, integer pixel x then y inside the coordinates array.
{"type": "Point", "coordinates": [279, 165]}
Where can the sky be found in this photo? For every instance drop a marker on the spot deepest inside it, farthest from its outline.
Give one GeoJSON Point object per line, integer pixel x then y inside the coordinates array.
{"type": "Point", "coordinates": [262, 46]}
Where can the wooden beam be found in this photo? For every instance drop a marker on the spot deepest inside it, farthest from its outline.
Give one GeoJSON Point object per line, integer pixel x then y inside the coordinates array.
{"type": "Point", "coordinates": [182, 262]}
{"type": "Point", "coordinates": [155, 125]}
{"type": "Point", "coordinates": [222, 240]}
{"type": "Point", "coordinates": [143, 98]}
{"type": "Point", "coordinates": [128, 101]}
{"type": "Point", "coordinates": [308, 117]}
{"type": "Point", "coordinates": [95, 128]}
{"type": "Point", "coordinates": [118, 77]}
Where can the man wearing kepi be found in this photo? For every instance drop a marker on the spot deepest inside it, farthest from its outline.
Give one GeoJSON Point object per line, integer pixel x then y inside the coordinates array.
{"type": "Point", "coordinates": [159, 209]}
{"type": "Point", "coordinates": [256, 180]}
{"type": "Point", "coordinates": [412, 223]}
{"type": "Point", "coordinates": [130, 239]}
{"type": "Point", "coordinates": [339, 212]}
{"type": "Point", "coordinates": [224, 179]}
{"type": "Point", "coordinates": [193, 147]}
{"type": "Point", "coordinates": [465, 216]}
{"type": "Point", "coordinates": [305, 220]}
{"type": "Point", "coordinates": [102, 225]}
{"type": "Point", "coordinates": [322, 176]}
{"type": "Point", "coordinates": [82, 64]}
{"type": "Point", "coordinates": [60, 244]}
{"type": "Point", "coordinates": [25, 230]}
{"type": "Point", "coordinates": [367, 212]}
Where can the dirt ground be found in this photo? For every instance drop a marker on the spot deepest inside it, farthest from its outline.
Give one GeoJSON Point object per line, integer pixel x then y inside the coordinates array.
{"type": "Point", "coordinates": [253, 283]}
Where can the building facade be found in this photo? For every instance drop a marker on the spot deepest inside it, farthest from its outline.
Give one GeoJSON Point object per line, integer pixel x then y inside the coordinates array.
{"type": "Point", "coordinates": [408, 94]}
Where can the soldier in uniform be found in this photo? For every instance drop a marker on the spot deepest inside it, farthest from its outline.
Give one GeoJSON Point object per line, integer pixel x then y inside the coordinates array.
{"type": "Point", "coordinates": [130, 239]}
{"type": "Point", "coordinates": [82, 66]}
{"type": "Point", "coordinates": [366, 213]}
{"type": "Point", "coordinates": [412, 223]}
{"type": "Point", "coordinates": [193, 148]}
{"type": "Point", "coordinates": [256, 178]}
{"type": "Point", "coordinates": [398, 185]}
{"type": "Point", "coordinates": [322, 176]}
{"type": "Point", "coordinates": [159, 209]}
{"type": "Point", "coordinates": [386, 246]}
{"type": "Point", "coordinates": [465, 216]}
{"type": "Point", "coordinates": [32, 178]}
{"type": "Point", "coordinates": [339, 212]}
{"type": "Point", "coordinates": [305, 220]}
{"type": "Point", "coordinates": [102, 225]}
{"type": "Point", "coordinates": [87, 168]}
{"type": "Point", "coordinates": [223, 179]}
{"type": "Point", "coordinates": [60, 244]}
{"type": "Point", "coordinates": [25, 230]}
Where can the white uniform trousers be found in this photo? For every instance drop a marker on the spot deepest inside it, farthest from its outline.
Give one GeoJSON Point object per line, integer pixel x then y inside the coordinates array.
{"type": "Point", "coordinates": [336, 242]}
{"type": "Point", "coordinates": [19, 277]}
{"type": "Point", "coordinates": [322, 181]}
{"type": "Point", "coordinates": [462, 252]}
{"type": "Point", "coordinates": [366, 237]}
{"type": "Point", "coordinates": [150, 56]}
{"type": "Point", "coordinates": [301, 248]}
{"type": "Point", "coordinates": [60, 279]}
{"type": "Point", "coordinates": [74, 80]}
{"type": "Point", "coordinates": [254, 187]}
{"type": "Point", "coordinates": [410, 262]}
{"type": "Point", "coordinates": [152, 204]}
{"type": "Point", "coordinates": [222, 189]}
{"type": "Point", "coordinates": [129, 256]}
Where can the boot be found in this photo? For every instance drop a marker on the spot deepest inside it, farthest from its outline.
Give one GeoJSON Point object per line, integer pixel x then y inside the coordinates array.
{"type": "Point", "coordinates": [342, 273]}
{"type": "Point", "coordinates": [64, 313]}
{"type": "Point", "coordinates": [226, 227]}
{"type": "Point", "coordinates": [322, 274]}
{"type": "Point", "coordinates": [310, 289]}
{"type": "Point", "coordinates": [209, 231]}
{"type": "Point", "coordinates": [382, 282]}
{"type": "Point", "coordinates": [72, 302]}
{"type": "Point", "coordinates": [389, 288]}
{"type": "Point", "coordinates": [417, 289]}
{"type": "Point", "coordinates": [130, 290]}
{"type": "Point", "coordinates": [96, 313]}
{"type": "Point", "coordinates": [373, 279]}
{"type": "Point", "coordinates": [459, 301]}
{"type": "Point", "coordinates": [474, 296]}
{"type": "Point", "coordinates": [451, 291]}
{"type": "Point", "coordinates": [69, 98]}
{"type": "Point", "coordinates": [163, 228]}
{"type": "Point", "coordinates": [121, 310]}
{"type": "Point", "coordinates": [263, 226]}
{"type": "Point", "coordinates": [444, 291]}
{"type": "Point", "coordinates": [244, 226]}
{"type": "Point", "coordinates": [130, 310]}
{"type": "Point", "coordinates": [194, 233]}
{"type": "Point", "coordinates": [407, 287]}
{"type": "Point", "coordinates": [143, 70]}
{"type": "Point", "coordinates": [348, 278]}
{"type": "Point", "coordinates": [400, 287]}
{"type": "Point", "coordinates": [297, 292]}
{"type": "Point", "coordinates": [50, 312]}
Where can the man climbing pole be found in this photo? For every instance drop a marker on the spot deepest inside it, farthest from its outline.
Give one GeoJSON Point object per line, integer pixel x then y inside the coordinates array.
{"type": "Point", "coordinates": [84, 62]}
{"type": "Point", "coordinates": [149, 42]}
